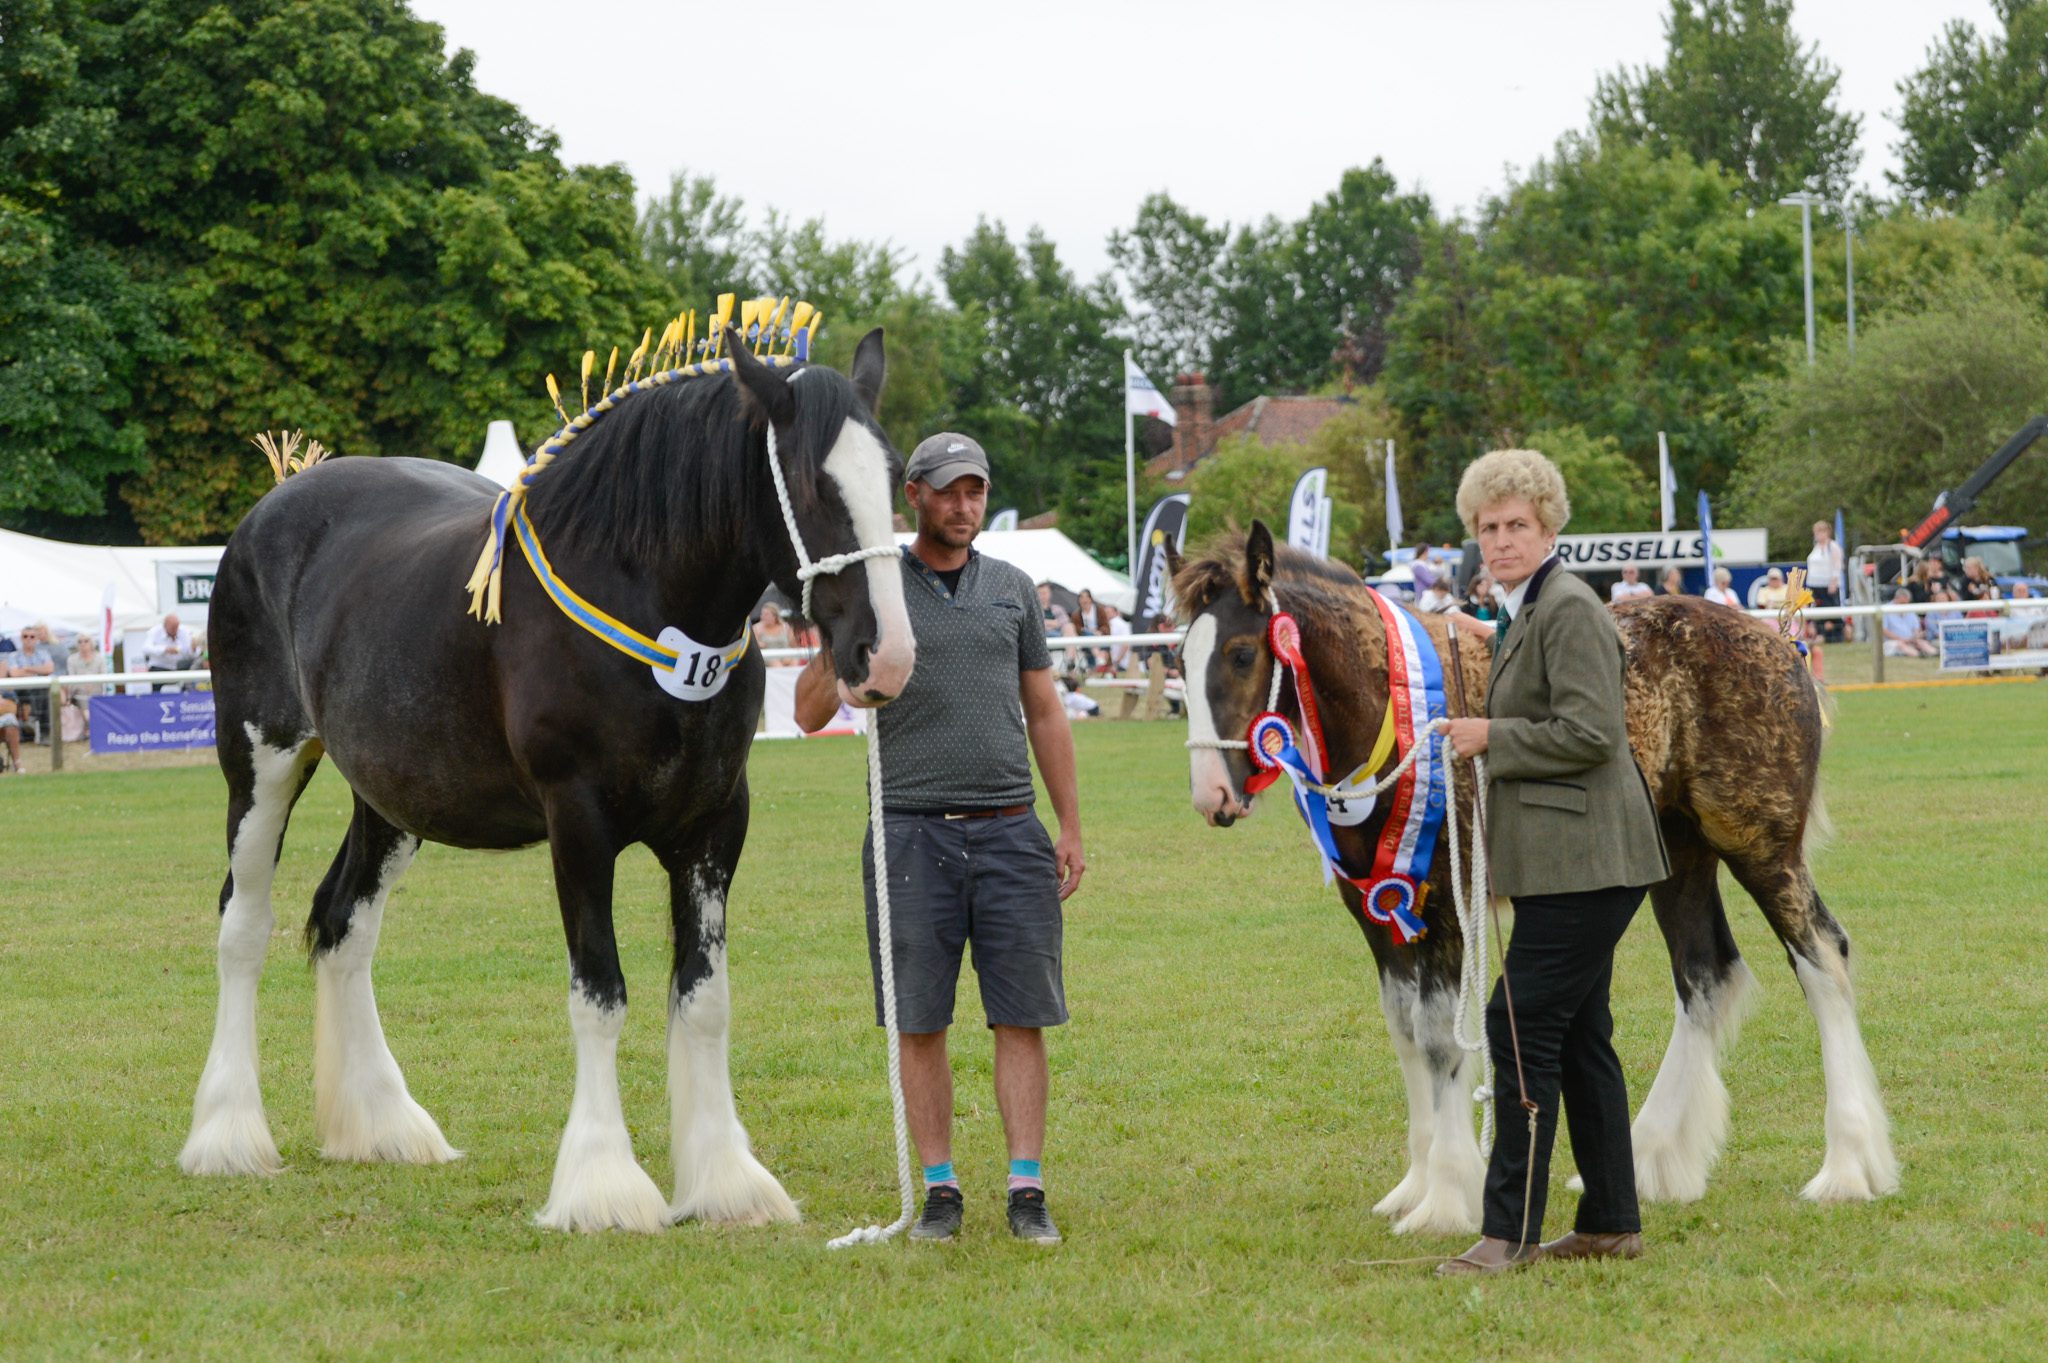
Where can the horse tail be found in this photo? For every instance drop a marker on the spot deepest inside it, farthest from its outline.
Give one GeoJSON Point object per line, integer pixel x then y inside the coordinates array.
{"type": "Point", "coordinates": [1820, 829]}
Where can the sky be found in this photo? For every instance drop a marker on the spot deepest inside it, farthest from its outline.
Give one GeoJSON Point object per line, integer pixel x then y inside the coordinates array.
{"type": "Point", "coordinates": [906, 121]}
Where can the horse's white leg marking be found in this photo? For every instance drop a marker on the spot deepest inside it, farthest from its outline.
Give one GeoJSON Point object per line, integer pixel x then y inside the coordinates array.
{"type": "Point", "coordinates": [1208, 778]}
{"type": "Point", "coordinates": [598, 1184]}
{"type": "Point", "coordinates": [1683, 1124]}
{"type": "Point", "coordinates": [1859, 1164]}
{"type": "Point", "coordinates": [1456, 1173]}
{"type": "Point", "coordinates": [717, 1177]}
{"type": "Point", "coordinates": [230, 1134]}
{"type": "Point", "coordinates": [860, 468]}
{"type": "Point", "coordinates": [361, 1109]}
{"type": "Point", "coordinates": [1397, 1001]}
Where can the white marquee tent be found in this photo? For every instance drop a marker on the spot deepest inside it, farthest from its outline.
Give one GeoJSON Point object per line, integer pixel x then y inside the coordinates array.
{"type": "Point", "coordinates": [65, 583]}
{"type": "Point", "coordinates": [1049, 556]}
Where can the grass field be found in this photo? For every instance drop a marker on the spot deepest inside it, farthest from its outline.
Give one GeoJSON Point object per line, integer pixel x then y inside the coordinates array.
{"type": "Point", "coordinates": [1226, 1104]}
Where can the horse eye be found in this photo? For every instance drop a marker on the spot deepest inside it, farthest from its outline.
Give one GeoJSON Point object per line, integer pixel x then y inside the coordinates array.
{"type": "Point", "coordinates": [1242, 659]}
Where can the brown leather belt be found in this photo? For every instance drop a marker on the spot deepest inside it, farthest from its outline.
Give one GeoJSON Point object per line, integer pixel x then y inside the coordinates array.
{"type": "Point", "coordinates": [1005, 812]}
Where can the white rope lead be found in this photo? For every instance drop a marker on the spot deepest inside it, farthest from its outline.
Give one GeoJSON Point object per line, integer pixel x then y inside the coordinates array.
{"type": "Point", "coordinates": [807, 571]}
{"type": "Point", "coordinates": [874, 1235]}
{"type": "Point", "coordinates": [1472, 907]}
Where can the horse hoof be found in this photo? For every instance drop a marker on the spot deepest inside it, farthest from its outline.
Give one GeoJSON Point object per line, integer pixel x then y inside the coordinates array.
{"type": "Point", "coordinates": [1850, 1182]}
{"type": "Point", "coordinates": [1439, 1215]}
{"type": "Point", "coordinates": [1404, 1197]}
{"type": "Point", "coordinates": [401, 1133]}
{"type": "Point", "coordinates": [231, 1144]}
{"type": "Point", "coordinates": [730, 1187]}
{"type": "Point", "coordinates": [606, 1193]}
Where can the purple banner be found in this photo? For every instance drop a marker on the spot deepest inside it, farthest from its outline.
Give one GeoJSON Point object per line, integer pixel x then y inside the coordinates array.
{"type": "Point", "coordinates": [155, 723]}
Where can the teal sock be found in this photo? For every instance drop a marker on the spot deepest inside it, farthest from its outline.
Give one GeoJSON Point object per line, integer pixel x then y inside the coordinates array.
{"type": "Point", "coordinates": [1024, 1173]}
{"type": "Point", "coordinates": [940, 1175]}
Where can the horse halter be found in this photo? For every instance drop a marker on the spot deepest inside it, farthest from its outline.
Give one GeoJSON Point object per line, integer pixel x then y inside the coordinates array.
{"type": "Point", "coordinates": [809, 570]}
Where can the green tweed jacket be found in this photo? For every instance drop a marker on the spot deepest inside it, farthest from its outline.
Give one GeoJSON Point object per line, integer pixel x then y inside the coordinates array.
{"type": "Point", "coordinates": [1567, 809]}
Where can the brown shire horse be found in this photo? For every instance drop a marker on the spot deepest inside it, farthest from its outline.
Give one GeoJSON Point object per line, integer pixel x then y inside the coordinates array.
{"type": "Point", "coordinates": [1724, 722]}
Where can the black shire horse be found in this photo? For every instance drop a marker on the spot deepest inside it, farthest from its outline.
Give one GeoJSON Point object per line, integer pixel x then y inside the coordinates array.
{"type": "Point", "coordinates": [339, 627]}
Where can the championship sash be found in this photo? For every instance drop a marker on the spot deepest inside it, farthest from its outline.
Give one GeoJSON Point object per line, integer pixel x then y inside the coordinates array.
{"type": "Point", "coordinates": [1391, 891]}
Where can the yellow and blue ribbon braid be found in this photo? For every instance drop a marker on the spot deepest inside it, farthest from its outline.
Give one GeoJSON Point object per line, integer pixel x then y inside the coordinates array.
{"type": "Point", "coordinates": [486, 581]}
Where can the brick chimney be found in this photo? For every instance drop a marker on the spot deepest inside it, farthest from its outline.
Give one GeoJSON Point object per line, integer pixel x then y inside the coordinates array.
{"type": "Point", "coordinates": [1194, 409]}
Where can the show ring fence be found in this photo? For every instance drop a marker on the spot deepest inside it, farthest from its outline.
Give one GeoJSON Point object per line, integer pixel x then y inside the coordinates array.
{"type": "Point", "coordinates": [1064, 642]}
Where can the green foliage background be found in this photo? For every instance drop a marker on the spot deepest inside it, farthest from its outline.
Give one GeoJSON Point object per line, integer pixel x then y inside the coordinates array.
{"type": "Point", "coordinates": [223, 216]}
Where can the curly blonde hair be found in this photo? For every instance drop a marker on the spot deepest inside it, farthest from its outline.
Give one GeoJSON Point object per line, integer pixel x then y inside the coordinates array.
{"type": "Point", "coordinates": [1505, 474]}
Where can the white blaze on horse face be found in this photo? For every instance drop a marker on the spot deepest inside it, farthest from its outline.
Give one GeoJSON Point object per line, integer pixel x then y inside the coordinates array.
{"type": "Point", "coordinates": [860, 468]}
{"type": "Point", "coordinates": [1208, 777]}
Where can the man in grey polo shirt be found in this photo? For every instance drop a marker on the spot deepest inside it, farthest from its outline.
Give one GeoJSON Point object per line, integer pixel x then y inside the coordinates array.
{"type": "Point", "coordinates": [968, 860]}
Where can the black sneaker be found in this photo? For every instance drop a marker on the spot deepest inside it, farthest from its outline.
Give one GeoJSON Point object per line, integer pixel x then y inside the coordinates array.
{"type": "Point", "coordinates": [1029, 1219]}
{"type": "Point", "coordinates": [941, 1218]}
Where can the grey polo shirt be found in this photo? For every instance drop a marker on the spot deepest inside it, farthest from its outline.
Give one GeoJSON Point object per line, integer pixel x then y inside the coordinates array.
{"type": "Point", "coordinates": [954, 739]}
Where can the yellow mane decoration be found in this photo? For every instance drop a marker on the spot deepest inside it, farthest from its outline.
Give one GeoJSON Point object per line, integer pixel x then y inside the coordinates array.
{"type": "Point", "coordinates": [779, 332]}
{"type": "Point", "coordinates": [282, 450]}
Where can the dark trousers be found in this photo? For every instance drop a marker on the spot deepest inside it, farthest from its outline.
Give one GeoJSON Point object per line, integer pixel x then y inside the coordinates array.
{"type": "Point", "coordinates": [1560, 963]}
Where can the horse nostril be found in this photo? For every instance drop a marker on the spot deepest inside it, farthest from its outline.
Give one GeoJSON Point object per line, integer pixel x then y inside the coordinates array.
{"type": "Point", "coordinates": [861, 654]}
{"type": "Point", "coordinates": [1224, 820]}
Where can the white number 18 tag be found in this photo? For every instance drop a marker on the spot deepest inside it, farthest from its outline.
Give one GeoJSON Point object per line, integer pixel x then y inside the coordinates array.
{"type": "Point", "coordinates": [701, 669]}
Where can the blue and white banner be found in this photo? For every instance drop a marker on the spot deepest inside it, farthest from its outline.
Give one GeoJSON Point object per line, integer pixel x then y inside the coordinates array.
{"type": "Point", "coordinates": [162, 722]}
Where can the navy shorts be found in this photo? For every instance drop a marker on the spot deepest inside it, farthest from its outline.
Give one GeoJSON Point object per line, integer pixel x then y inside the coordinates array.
{"type": "Point", "coordinates": [992, 882]}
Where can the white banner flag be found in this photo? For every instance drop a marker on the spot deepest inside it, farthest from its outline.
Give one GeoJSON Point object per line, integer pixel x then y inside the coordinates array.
{"type": "Point", "coordinates": [1667, 485]}
{"type": "Point", "coordinates": [1394, 526]}
{"type": "Point", "coordinates": [1323, 530]}
{"type": "Point", "coordinates": [1305, 511]}
{"type": "Point", "coordinates": [1005, 519]}
{"type": "Point", "coordinates": [1141, 395]}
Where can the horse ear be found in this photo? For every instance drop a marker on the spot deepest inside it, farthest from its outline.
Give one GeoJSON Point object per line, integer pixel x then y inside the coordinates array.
{"type": "Point", "coordinates": [760, 387]}
{"type": "Point", "coordinates": [1173, 559]}
{"type": "Point", "coordinates": [1258, 564]}
{"type": "Point", "coordinates": [870, 367]}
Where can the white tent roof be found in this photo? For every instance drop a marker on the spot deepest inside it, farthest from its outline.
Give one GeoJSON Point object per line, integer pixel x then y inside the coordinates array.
{"type": "Point", "coordinates": [1049, 556]}
{"type": "Point", "coordinates": [502, 458]}
{"type": "Point", "coordinates": [64, 583]}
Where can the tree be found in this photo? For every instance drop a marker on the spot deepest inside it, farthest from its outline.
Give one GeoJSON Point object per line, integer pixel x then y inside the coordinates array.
{"type": "Point", "coordinates": [1275, 306]}
{"type": "Point", "coordinates": [328, 223]}
{"type": "Point", "coordinates": [1243, 478]}
{"type": "Point", "coordinates": [1976, 102]}
{"type": "Point", "coordinates": [699, 241]}
{"type": "Point", "coordinates": [1737, 89]}
{"type": "Point", "coordinates": [1035, 372]}
{"type": "Point", "coordinates": [1609, 492]}
{"type": "Point", "coordinates": [1616, 290]}
{"type": "Point", "coordinates": [1928, 397]}
{"type": "Point", "coordinates": [1171, 261]}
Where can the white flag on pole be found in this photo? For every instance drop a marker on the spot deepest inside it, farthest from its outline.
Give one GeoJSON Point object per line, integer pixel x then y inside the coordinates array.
{"type": "Point", "coordinates": [1394, 526]}
{"type": "Point", "coordinates": [1141, 395]}
{"type": "Point", "coordinates": [1667, 485]}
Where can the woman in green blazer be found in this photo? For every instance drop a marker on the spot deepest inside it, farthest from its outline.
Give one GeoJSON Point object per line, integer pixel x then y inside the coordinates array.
{"type": "Point", "coordinates": [1573, 840]}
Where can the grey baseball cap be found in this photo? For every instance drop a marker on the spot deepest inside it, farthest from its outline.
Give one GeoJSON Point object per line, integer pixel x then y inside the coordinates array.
{"type": "Point", "coordinates": [941, 459]}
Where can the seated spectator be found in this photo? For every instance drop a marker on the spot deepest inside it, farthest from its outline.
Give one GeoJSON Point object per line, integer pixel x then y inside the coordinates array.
{"type": "Point", "coordinates": [1929, 574]}
{"type": "Point", "coordinates": [1088, 622]}
{"type": "Point", "coordinates": [171, 648]}
{"type": "Point", "coordinates": [1722, 593]}
{"type": "Point", "coordinates": [1904, 635]}
{"type": "Point", "coordinates": [1436, 598]}
{"type": "Point", "coordinates": [1977, 585]}
{"type": "Point", "coordinates": [1772, 595]}
{"type": "Point", "coordinates": [1673, 582]}
{"type": "Point", "coordinates": [1479, 598]}
{"type": "Point", "coordinates": [1630, 587]}
{"type": "Point", "coordinates": [10, 734]}
{"type": "Point", "coordinates": [2022, 592]}
{"type": "Point", "coordinates": [32, 658]}
{"type": "Point", "coordinates": [1057, 621]}
{"type": "Point", "coordinates": [1119, 656]}
{"type": "Point", "coordinates": [86, 661]}
{"type": "Point", "coordinates": [771, 632]}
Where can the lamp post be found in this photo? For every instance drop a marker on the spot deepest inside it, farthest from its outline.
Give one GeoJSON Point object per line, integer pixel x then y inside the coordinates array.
{"type": "Point", "coordinates": [1849, 256]}
{"type": "Point", "coordinates": [1805, 199]}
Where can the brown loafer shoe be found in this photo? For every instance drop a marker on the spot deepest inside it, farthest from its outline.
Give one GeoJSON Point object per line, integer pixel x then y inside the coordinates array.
{"type": "Point", "coordinates": [1490, 1255]}
{"type": "Point", "coordinates": [1589, 1245]}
